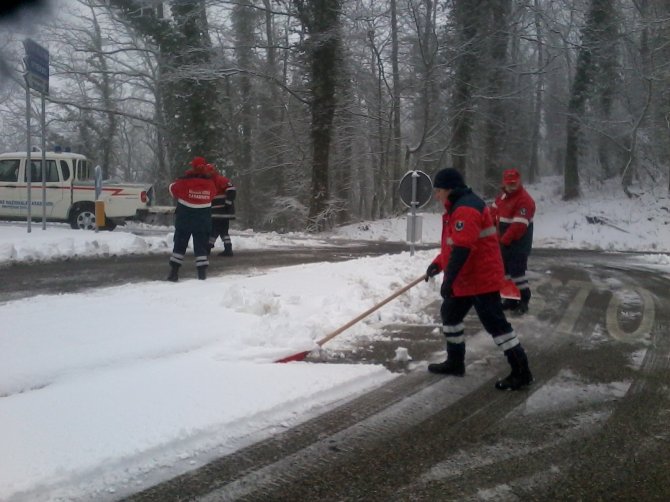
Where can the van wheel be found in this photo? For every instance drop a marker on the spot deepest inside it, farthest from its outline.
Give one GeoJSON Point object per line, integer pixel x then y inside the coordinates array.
{"type": "Point", "coordinates": [84, 218]}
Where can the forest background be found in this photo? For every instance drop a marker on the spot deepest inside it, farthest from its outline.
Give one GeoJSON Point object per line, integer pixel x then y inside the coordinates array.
{"type": "Point", "coordinates": [316, 108]}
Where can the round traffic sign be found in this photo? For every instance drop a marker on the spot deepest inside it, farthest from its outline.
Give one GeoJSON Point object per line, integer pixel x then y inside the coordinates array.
{"type": "Point", "coordinates": [415, 189]}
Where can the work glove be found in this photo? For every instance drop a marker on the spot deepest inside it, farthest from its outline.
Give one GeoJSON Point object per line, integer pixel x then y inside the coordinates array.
{"type": "Point", "coordinates": [432, 270]}
{"type": "Point", "coordinates": [446, 290]}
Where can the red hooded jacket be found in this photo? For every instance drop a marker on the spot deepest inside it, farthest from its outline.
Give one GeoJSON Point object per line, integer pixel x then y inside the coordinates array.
{"type": "Point", "coordinates": [467, 223]}
{"type": "Point", "coordinates": [223, 203]}
{"type": "Point", "coordinates": [193, 190]}
{"type": "Point", "coordinates": [514, 214]}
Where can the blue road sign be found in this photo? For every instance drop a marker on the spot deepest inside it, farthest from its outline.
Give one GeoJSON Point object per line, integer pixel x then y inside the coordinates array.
{"type": "Point", "coordinates": [36, 83]}
{"type": "Point", "coordinates": [37, 66]}
{"type": "Point", "coordinates": [36, 51]}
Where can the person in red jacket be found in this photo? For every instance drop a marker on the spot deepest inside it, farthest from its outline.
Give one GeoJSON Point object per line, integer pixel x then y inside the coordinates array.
{"type": "Point", "coordinates": [514, 210]}
{"type": "Point", "coordinates": [223, 210]}
{"type": "Point", "coordinates": [473, 274]}
{"type": "Point", "coordinates": [193, 217]}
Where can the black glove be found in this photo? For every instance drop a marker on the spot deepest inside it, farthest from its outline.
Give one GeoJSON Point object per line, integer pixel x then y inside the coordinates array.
{"type": "Point", "coordinates": [432, 270]}
{"type": "Point", "coordinates": [446, 290]}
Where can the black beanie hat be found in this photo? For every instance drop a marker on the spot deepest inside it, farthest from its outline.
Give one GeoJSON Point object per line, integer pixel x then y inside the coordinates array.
{"type": "Point", "coordinates": [448, 178]}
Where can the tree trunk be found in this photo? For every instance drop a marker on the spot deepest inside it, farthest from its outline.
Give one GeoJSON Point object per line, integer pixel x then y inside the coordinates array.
{"type": "Point", "coordinates": [496, 120]}
{"type": "Point", "coordinates": [538, 105]}
{"type": "Point", "coordinates": [321, 19]}
{"type": "Point", "coordinates": [465, 13]}
{"type": "Point", "coordinates": [594, 64]}
{"type": "Point", "coordinates": [383, 181]}
{"type": "Point", "coordinates": [396, 136]}
{"type": "Point", "coordinates": [244, 24]}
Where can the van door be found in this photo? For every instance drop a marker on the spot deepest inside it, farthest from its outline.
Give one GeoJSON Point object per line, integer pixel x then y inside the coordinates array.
{"type": "Point", "coordinates": [53, 188]}
{"type": "Point", "coordinates": [67, 175]}
{"type": "Point", "coordinates": [11, 192]}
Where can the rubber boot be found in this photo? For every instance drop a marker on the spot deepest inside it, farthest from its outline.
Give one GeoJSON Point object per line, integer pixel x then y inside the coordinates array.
{"type": "Point", "coordinates": [174, 272]}
{"type": "Point", "coordinates": [520, 376]}
{"type": "Point", "coordinates": [202, 272]}
{"type": "Point", "coordinates": [455, 363]}
{"type": "Point", "coordinates": [227, 250]}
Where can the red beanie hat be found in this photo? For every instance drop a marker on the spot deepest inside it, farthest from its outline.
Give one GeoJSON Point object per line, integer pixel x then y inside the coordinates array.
{"type": "Point", "coordinates": [511, 176]}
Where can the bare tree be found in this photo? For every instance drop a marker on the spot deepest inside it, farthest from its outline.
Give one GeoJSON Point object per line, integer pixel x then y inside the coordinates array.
{"type": "Point", "coordinates": [312, 130]}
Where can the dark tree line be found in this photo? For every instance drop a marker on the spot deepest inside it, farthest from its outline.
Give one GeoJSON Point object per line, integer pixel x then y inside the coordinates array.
{"type": "Point", "coordinates": [316, 108]}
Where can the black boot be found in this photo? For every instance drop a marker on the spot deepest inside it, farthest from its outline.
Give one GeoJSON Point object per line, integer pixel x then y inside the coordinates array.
{"type": "Point", "coordinates": [174, 273]}
{"type": "Point", "coordinates": [448, 367]}
{"type": "Point", "coordinates": [202, 273]}
{"type": "Point", "coordinates": [520, 376]}
{"type": "Point", "coordinates": [227, 250]}
{"type": "Point", "coordinates": [454, 365]}
{"type": "Point", "coordinates": [510, 304]}
{"type": "Point", "coordinates": [522, 307]}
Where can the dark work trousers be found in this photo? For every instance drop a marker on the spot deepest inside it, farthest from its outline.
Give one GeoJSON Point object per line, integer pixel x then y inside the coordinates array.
{"type": "Point", "coordinates": [490, 313]}
{"type": "Point", "coordinates": [196, 223]}
{"type": "Point", "coordinates": [220, 228]}
{"type": "Point", "coordinates": [516, 263]}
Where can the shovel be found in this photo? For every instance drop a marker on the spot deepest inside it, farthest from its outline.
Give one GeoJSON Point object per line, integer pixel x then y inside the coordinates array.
{"type": "Point", "coordinates": [510, 291]}
{"type": "Point", "coordinates": [300, 356]}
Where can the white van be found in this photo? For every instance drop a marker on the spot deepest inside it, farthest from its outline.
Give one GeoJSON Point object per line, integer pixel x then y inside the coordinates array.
{"type": "Point", "coordinates": [70, 191]}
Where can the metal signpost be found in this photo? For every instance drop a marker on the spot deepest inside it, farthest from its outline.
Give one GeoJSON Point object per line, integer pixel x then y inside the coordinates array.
{"type": "Point", "coordinates": [99, 205]}
{"type": "Point", "coordinates": [415, 190]}
{"type": "Point", "coordinates": [36, 75]}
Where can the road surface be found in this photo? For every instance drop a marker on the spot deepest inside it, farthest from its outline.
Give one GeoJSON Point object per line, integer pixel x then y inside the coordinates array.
{"type": "Point", "coordinates": [594, 426]}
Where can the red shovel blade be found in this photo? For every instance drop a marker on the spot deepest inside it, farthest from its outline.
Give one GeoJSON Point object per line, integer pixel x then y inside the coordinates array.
{"type": "Point", "coordinates": [299, 356]}
{"type": "Point", "coordinates": [510, 291]}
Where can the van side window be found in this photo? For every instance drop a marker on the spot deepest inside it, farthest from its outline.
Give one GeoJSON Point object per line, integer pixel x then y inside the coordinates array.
{"type": "Point", "coordinates": [9, 170]}
{"type": "Point", "coordinates": [65, 170]}
{"type": "Point", "coordinates": [82, 170]}
{"type": "Point", "coordinates": [36, 171]}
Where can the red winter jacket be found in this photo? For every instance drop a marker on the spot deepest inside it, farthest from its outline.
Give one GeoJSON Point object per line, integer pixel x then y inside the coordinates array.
{"type": "Point", "coordinates": [514, 214]}
{"type": "Point", "coordinates": [223, 203]}
{"type": "Point", "coordinates": [194, 191]}
{"type": "Point", "coordinates": [467, 223]}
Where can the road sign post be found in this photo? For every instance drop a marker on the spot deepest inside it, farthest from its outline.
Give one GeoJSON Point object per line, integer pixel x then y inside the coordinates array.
{"type": "Point", "coordinates": [36, 64]}
{"type": "Point", "coordinates": [415, 191]}
{"type": "Point", "coordinates": [99, 204]}
{"type": "Point", "coordinates": [28, 161]}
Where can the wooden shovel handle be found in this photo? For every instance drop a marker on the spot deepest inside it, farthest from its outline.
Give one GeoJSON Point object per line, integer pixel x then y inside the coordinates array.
{"type": "Point", "coordinates": [371, 310]}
